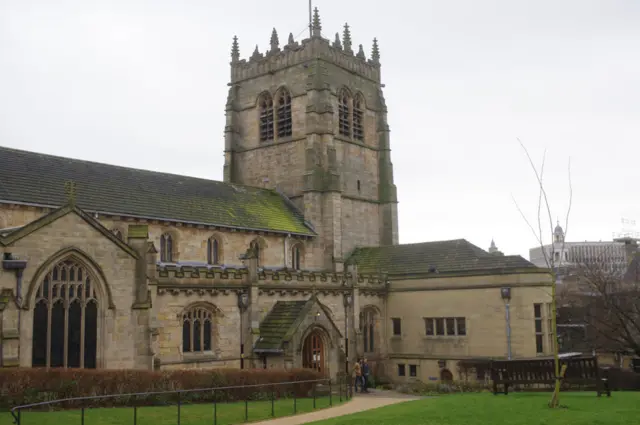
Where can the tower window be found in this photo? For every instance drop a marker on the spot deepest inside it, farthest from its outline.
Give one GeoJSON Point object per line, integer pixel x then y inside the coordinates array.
{"type": "Point", "coordinates": [284, 114]}
{"type": "Point", "coordinates": [213, 251]}
{"type": "Point", "coordinates": [344, 113]}
{"type": "Point", "coordinates": [358, 186]}
{"type": "Point", "coordinates": [266, 117]}
{"type": "Point", "coordinates": [358, 115]}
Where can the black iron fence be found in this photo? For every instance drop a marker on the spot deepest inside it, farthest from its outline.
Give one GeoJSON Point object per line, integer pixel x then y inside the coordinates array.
{"type": "Point", "coordinates": [289, 398]}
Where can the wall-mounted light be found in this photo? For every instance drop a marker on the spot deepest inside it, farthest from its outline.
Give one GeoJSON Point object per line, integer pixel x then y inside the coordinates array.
{"type": "Point", "coordinates": [505, 293]}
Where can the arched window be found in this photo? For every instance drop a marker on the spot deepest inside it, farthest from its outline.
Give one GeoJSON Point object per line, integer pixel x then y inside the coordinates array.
{"type": "Point", "coordinates": [368, 330]}
{"type": "Point", "coordinates": [266, 117]}
{"type": "Point", "coordinates": [284, 114]}
{"type": "Point", "coordinates": [255, 246]}
{"type": "Point", "coordinates": [118, 234]}
{"type": "Point", "coordinates": [166, 248]}
{"type": "Point", "coordinates": [65, 318]}
{"type": "Point", "coordinates": [344, 113]}
{"type": "Point", "coordinates": [296, 257]}
{"type": "Point", "coordinates": [213, 251]}
{"type": "Point", "coordinates": [358, 118]}
{"type": "Point", "coordinates": [197, 330]}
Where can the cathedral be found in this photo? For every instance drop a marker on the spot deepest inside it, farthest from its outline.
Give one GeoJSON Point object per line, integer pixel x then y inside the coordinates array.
{"type": "Point", "coordinates": [293, 260]}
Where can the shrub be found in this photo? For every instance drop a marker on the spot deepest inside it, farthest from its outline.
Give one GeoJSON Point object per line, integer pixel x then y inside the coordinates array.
{"type": "Point", "coordinates": [426, 389]}
{"type": "Point", "coordinates": [28, 386]}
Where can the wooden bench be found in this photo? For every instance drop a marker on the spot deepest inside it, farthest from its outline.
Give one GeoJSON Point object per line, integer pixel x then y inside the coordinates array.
{"type": "Point", "coordinates": [580, 371]}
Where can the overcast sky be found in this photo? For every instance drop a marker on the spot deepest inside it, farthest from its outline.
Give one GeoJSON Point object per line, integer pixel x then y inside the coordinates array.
{"type": "Point", "coordinates": [143, 84]}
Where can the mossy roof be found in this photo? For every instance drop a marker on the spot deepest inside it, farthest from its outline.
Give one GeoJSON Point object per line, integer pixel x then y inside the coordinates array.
{"type": "Point", "coordinates": [34, 178]}
{"type": "Point", "coordinates": [278, 322]}
{"type": "Point", "coordinates": [452, 256]}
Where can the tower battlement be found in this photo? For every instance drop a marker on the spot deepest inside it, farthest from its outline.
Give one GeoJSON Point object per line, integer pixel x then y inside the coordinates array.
{"type": "Point", "coordinates": [339, 52]}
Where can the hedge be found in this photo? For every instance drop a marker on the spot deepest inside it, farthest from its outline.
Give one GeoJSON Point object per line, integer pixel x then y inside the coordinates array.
{"type": "Point", "coordinates": [28, 386]}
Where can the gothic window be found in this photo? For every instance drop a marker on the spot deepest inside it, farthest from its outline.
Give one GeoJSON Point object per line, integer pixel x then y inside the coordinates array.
{"type": "Point", "coordinates": [255, 245]}
{"type": "Point", "coordinates": [65, 318]}
{"type": "Point", "coordinates": [284, 114]}
{"type": "Point", "coordinates": [344, 113]}
{"type": "Point", "coordinates": [166, 248]}
{"type": "Point", "coordinates": [213, 251]}
{"type": "Point", "coordinates": [358, 118]}
{"type": "Point", "coordinates": [266, 117]}
{"type": "Point", "coordinates": [296, 257]}
{"type": "Point", "coordinates": [197, 330]}
{"type": "Point", "coordinates": [368, 330]}
{"type": "Point", "coordinates": [118, 234]}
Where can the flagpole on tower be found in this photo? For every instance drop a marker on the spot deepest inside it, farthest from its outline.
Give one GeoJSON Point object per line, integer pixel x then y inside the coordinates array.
{"type": "Point", "coordinates": [310, 19]}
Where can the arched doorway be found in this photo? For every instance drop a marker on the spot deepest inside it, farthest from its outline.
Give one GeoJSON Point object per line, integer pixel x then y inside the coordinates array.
{"type": "Point", "coordinates": [313, 353]}
{"type": "Point", "coordinates": [446, 376]}
{"type": "Point", "coordinates": [65, 318]}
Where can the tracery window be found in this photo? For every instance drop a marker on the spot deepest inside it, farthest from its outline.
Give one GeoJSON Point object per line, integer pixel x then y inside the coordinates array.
{"type": "Point", "coordinates": [344, 113]}
{"type": "Point", "coordinates": [166, 248]}
{"type": "Point", "coordinates": [197, 330]}
{"type": "Point", "coordinates": [266, 117]}
{"type": "Point", "coordinates": [296, 257]}
{"type": "Point", "coordinates": [358, 116]}
{"type": "Point", "coordinates": [284, 121]}
{"type": "Point", "coordinates": [368, 330]}
{"type": "Point", "coordinates": [213, 251]}
{"type": "Point", "coordinates": [65, 318]}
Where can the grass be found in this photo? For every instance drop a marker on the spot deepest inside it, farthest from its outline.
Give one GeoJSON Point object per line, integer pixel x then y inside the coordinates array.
{"type": "Point", "coordinates": [515, 409]}
{"type": "Point", "coordinates": [193, 414]}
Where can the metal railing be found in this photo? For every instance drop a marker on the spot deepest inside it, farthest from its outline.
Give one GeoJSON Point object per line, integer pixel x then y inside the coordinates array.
{"type": "Point", "coordinates": [180, 398]}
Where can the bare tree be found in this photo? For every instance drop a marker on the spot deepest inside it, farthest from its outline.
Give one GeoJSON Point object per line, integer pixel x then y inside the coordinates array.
{"type": "Point", "coordinates": [544, 219]}
{"type": "Point", "coordinates": [606, 299]}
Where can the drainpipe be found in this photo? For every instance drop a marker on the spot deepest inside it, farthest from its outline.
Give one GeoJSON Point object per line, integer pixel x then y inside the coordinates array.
{"type": "Point", "coordinates": [11, 263]}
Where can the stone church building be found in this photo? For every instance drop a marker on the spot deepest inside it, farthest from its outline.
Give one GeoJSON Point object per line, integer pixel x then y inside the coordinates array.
{"type": "Point", "coordinates": [292, 261]}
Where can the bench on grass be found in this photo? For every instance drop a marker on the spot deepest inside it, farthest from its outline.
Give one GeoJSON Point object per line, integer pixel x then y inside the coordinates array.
{"type": "Point", "coordinates": [581, 371]}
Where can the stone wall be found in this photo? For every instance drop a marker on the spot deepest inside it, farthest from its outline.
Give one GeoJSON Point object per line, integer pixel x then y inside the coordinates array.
{"type": "Point", "coordinates": [120, 331]}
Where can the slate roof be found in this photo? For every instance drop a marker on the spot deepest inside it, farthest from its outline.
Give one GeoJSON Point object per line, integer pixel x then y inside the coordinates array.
{"type": "Point", "coordinates": [34, 178]}
{"type": "Point", "coordinates": [278, 322]}
{"type": "Point", "coordinates": [453, 256]}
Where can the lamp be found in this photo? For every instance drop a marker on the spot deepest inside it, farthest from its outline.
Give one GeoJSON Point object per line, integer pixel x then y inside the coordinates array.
{"type": "Point", "coordinates": [317, 316]}
{"type": "Point", "coordinates": [347, 300]}
{"type": "Point", "coordinates": [505, 293]}
{"type": "Point", "coordinates": [243, 300]}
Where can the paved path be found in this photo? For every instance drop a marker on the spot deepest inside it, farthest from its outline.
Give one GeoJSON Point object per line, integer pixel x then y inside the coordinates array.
{"type": "Point", "coordinates": [359, 403]}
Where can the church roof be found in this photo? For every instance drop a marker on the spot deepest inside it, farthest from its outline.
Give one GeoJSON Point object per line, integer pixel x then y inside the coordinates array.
{"type": "Point", "coordinates": [39, 179]}
{"type": "Point", "coordinates": [453, 256]}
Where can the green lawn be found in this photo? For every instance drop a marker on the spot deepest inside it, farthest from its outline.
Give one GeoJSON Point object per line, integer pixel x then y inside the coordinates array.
{"type": "Point", "coordinates": [196, 414]}
{"type": "Point", "coordinates": [514, 409]}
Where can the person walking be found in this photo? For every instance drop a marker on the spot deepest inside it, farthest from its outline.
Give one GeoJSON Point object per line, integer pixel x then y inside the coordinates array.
{"type": "Point", "coordinates": [358, 373]}
{"type": "Point", "coordinates": [365, 375]}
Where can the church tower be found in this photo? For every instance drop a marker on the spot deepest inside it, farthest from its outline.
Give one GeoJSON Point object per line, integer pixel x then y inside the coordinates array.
{"type": "Point", "coordinates": [309, 119]}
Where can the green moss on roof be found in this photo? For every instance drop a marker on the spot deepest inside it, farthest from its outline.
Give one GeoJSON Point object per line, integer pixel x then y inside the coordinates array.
{"type": "Point", "coordinates": [28, 177]}
{"type": "Point", "coordinates": [278, 322]}
{"type": "Point", "coordinates": [453, 256]}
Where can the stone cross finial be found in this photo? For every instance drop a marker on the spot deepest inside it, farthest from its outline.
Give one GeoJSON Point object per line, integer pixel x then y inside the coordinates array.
{"type": "Point", "coordinates": [337, 44]}
{"type": "Point", "coordinates": [375, 52]}
{"type": "Point", "coordinates": [360, 54]}
{"type": "Point", "coordinates": [70, 191]}
{"type": "Point", "coordinates": [275, 43]}
{"type": "Point", "coordinates": [291, 41]}
{"type": "Point", "coordinates": [235, 50]}
{"type": "Point", "coordinates": [316, 26]}
{"type": "Point", "coordinates": [346, 39]}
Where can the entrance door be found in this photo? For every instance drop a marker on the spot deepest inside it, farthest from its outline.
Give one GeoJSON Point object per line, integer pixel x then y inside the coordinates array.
{"type": "Point", "coordinates": [313, 352]}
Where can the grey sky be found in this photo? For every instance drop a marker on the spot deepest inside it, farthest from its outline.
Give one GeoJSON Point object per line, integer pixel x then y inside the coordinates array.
{"type": "Point", "coordinates": [143, 84]}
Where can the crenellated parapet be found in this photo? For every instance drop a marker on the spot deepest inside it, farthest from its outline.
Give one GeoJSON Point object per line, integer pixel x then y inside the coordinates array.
{"type": "Point", "coordinates": [339, 53]}
{"type": "Point", "coordinates": [179, 271]}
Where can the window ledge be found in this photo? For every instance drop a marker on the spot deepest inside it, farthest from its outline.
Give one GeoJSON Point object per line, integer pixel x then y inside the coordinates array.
{"type": "Point", "coordinates": [445, 337]}
{"type": "Point", "coordinates": [201, 356]}
{"type": "Point", "coordinates": [396, 336]}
